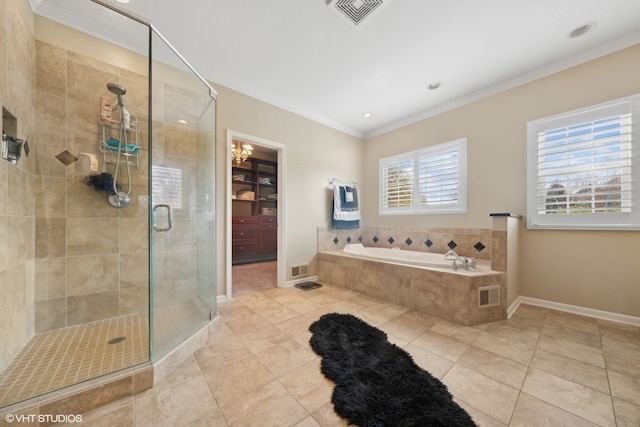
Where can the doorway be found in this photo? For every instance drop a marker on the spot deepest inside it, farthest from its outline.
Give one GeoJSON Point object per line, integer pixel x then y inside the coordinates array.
{"type": "Point", "coordinates": [255, 215]}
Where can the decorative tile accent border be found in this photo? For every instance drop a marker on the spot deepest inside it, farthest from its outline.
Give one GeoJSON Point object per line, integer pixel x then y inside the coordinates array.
{"type": "Point", "coordinates": [473, 242]}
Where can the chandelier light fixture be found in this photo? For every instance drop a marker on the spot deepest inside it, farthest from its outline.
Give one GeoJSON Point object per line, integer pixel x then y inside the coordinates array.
{"type": "Point", "coordinates": [240, 151]}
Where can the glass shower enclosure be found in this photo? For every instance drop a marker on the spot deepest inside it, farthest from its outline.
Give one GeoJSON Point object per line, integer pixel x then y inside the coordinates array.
{"type": "Point", "coordinates": [182, 198]}
{"type": "Point", "coordinates": [123, 165]}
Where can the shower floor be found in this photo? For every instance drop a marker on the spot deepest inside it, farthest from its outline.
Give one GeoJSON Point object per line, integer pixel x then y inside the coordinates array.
{"type": "Point", "coordinates": [62, 357]}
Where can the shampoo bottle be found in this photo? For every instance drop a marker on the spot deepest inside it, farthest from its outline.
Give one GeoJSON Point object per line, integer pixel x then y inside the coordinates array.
{"type": "Point", "coordinates": [105, 110]}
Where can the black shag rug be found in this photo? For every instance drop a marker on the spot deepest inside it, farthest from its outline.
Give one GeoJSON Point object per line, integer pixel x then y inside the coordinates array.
{"type": "Point", "coordinates": [378, 383]}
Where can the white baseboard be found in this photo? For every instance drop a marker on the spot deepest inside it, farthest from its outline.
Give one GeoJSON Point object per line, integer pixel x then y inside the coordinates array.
{"type": "Point", "coordinates": [224, 298]}
{"type": "Point", "coordinates": [574, 309]}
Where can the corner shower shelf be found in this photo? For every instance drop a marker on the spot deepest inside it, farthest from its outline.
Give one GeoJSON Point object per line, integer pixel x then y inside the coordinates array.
{"type": "Point", "coordinates": [109, 153]}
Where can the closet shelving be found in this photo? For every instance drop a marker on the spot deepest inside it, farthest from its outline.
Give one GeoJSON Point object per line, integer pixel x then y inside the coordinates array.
{"type": "Point", "coordinates": [254, 209]}
{"type": "Point", "coordinates": [259, 177]}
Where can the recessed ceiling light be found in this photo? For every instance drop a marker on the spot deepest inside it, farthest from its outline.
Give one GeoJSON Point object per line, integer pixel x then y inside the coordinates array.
{"type": "Point", "coordinates": [122, 1]}
{"type": "Point", "coordinates": [183, 122]}
{"type": "Point", "coordinates": [582, 30]}
{"type": "Point", "coordinates": [367, 115]}
{"type": "Point", "coordinates": [434, 86]}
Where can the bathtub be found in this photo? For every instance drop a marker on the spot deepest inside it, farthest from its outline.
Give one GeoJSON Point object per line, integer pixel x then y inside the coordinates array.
{"type": "Point", "coordinates": [396, 255]}
{"type": "Point", "coordinates": [421, 281]}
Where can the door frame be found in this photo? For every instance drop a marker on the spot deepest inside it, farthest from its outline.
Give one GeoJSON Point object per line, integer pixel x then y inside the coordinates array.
{"type": "Point", "coordinates": [280, 254]}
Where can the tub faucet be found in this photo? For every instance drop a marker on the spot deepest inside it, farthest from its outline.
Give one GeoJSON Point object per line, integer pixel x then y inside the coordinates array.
{"type": "Point", "coordinates": [465, 262]}
{"type": "Point", "coordinates": [451, 254]}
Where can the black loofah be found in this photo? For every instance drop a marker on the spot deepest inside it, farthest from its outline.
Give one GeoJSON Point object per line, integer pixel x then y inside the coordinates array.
{"type": "Point", "coordinates": [378, 383]}
{"type": "Point", "coordinates": [102, 182]}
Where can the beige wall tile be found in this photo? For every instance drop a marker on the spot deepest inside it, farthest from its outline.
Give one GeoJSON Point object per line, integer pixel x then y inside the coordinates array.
{"type": "Point", "coordinates": [83, 130]}
{"type": "Point", "coordinates": [134, 269]}
{"type": "Point", "coordinates": [51, 314]}
{"type": "Point", "coordinates": [180, 142]}
{"type": "Point", "coordinates": [133, 300]}
{"type": "Point", "coordinates": [91, 307]}
{"type": "Point", "coordinates": [17, 202]}
{"type": "Point", "coordinates": [137, 96]}
{"type": "Point", "coordinates": [50, 278]}
{"type": "Point", "coordinates": [50, 237]}
{"type": "Point", "coordinates": [51, 69]}
{"type": "Point", "coordinates": [50, 135]}
{"type": "Point", "coordinates": [50, 196]}
{"type": "Point", "coordinates": [90, 81]}
{"type": "Point", "coordinates": [134, 235]}
{"type": "Point", "coordinates": [92, 236]}
{"type": "Point", "coordinates": [92, 274]}
{"type": "Point", "coordinates": [4, 187]}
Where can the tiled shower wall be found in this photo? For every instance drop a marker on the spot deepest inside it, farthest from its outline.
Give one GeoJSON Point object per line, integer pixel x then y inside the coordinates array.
{"type": "Point", "coordinates": [17, 82]}
{"type": "Point", "coordinates": [91, 259]}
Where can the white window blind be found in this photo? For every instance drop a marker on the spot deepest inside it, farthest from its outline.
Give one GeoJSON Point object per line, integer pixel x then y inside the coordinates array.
{"type": "Point", "coordinates": [581, 169]}
{"type": "Point", "coordinates": [166, 186]}
{"type": "Point", "coordinates": [431, 180]}
{"type": "Point", "coordinates": [397, 183]}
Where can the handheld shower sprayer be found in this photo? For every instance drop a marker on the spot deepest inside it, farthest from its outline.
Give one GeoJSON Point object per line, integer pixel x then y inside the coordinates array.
{"type": "Point", "coordinates": [119, 91]}
{"type": "Point", "coordinates": [121, 199]}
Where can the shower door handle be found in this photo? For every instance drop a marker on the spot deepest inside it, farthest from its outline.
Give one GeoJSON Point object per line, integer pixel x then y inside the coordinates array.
{"type": "Point", "coordinates": [155, 226]}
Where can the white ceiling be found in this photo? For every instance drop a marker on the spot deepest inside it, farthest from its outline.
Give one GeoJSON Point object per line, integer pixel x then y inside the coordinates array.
{"type": "Point", "coordinates": [303, 57]}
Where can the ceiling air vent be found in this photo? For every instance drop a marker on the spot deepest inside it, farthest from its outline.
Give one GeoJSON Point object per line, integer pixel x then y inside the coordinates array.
{"type": "Point", "coordinates": [356, 11]}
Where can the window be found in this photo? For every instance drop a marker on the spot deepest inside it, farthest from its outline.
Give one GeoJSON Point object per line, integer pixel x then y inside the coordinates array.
{"type": "Point", "coordinates": [583, 168]}
{"type": "Point", "coordinates": [431, 180]}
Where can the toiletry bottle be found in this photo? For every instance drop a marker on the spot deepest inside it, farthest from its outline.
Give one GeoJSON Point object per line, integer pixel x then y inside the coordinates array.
{"type": "Point", "coordinates": [126, 117]}
{"type": "Point", "coordinates": [105, 110]}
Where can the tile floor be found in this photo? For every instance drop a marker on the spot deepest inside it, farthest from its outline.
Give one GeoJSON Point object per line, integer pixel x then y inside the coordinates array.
{"type": "Point", "coordinates": [540, 368]}
{"type": "Point", "coordinates": [258, 276]}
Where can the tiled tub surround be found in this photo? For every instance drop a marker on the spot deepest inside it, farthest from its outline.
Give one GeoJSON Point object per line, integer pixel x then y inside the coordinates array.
{"type": "Point", "coordinates": [448, 294]}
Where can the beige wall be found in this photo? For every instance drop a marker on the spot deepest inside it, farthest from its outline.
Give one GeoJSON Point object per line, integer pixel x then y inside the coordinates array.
{"type": "Point", "coordinates": [314, 155]}
{"type": "Point", "coordinates": [17, 81]}
{"type": "Point", "coordinates": [592, 269]}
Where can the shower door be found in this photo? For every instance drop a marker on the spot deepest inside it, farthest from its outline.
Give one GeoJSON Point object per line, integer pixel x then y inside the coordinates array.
{"type": "Point", "coordinates": [182, 201]}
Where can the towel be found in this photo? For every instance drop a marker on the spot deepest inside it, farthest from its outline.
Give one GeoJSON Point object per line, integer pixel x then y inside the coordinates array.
{"type": "Point", "coordinates": [348, 198]}
{"type": "Point", "coordinates": [114, 144]}
{"type": "Point", "coordinates": [345, 212]}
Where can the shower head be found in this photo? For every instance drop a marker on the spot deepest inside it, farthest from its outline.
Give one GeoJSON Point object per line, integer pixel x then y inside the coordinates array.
{"type": "Point", "coordinates": [118, 90]}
